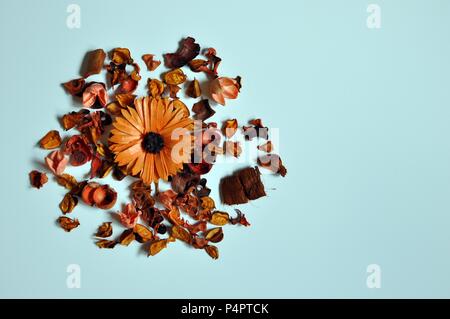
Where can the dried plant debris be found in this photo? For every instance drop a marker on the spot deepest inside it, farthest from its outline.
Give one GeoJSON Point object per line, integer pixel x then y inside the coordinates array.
{"type": "Point", "coordinates": [117, 133]}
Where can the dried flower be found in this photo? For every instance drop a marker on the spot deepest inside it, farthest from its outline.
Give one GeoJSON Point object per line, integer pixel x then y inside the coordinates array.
{"type": "Point", "coordinates": [75, 87]}
{"type": "Point", "coordinates": [79, 150]}
{"type": "Point", "coordinates": [129, 216]}
{"type": "Point", "coordinates": [95, 95]}
{"type": "Point", "coordinates": [224, 88]}
{"type": "Point", "coordinates": [150, 62]}
{"type": "Point", "coordinates": [155, 87]}
{"type": "Point", "coordinates": [56, 162]}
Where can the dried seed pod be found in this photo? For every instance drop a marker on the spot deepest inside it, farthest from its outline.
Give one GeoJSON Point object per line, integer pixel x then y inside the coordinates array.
{"type": "Point", "coordinates": [212, 251]}
{"type": "Point", "coordinates": [142, 233]}
{"type": "Point", "coordinates": [127, 237]}
{"type": "Point", "coordinates": [214, 235]}
{"type": "Point", "coordinates": [68, 203]}
{"type": "Point", "coordinates": [194, 89]}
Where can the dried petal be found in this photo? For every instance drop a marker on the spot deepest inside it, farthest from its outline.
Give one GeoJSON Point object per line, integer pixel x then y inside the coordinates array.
{"type": "Point", "coordinates": [224, 88]}
{"type": "Point", "coordinates": [266, 147]}
{"type": "Point", "coordinates": [95, 95]}
{"type": "Point", "coordinates": [106, 244]}
{"type": "Point", "coordinates": [121, 56]}
{"type": "Point", "coordinates": [188, 51]}
{"type": "Point", "coordinates": [232, 148]}
{"type": "Point", "coordinates": [212, 251]}
{"type": "Point", "coordinates": [142, 233]}
{"type": "Point", "coordinates": [38, 179]}
{"type": "Point", "coordinates": [75, 87]}
{"type": "Point", "coordinates": [207, 203]}
{"type": "Point", "coordinates": [155, 87]}
{"type": "Point", "coordinates": [67, 223]}
{"type": "Point", "coordinates": [56, 162]}
{"type": "Point", "coordinates": [194, 89]}
{"type": "Point", "coordinates": [156, 246]}
{"type": "Point", "coordinates": [127, 237]}
{"type": "Point", "coordinates": [73, 119]}
{"type": "Point", "coordinates": [202, 110]}
{"type": "Point", "coordinates": [175, 77]}
{"type": "Point", "coordinates": [150, 62]}
{"type": "Point", "coordinates": [68, 203]}
{"type": "Point", "coordinates": [51, 140]}
{"type": "Point", "coordinates": [273, 162]}
{"type": "Point", "coordinates": [79, 150]}
{"type": "Point", "coordinates": [229, 127]}
{"type": "Point", "coordinates": [67, 181]}
{"type": "Point", "coordinates": [182, 234]}
{"type": "Point", "coordinates": [199, 65]}
{"type": "Point", "coordinates": [239, 219]}
{"type": "Point", "coordinates": [104, 230]}
{"type": "Point", "coordinates": [129, 216]}
{"type": "Point", "coordinates": [219, 218]}
{"type": "Point", "coordinates": [214, 235]}
{"type": "Point", "coordinates": [93, 63]}
{"type": "Point", "coordinates": [125, 99]}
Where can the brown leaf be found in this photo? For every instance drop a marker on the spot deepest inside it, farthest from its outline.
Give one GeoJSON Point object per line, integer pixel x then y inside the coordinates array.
{"type": "Point", "coordinates": [67, 181]}
{"type": "Point", "coordinates": [93, 62]}
{"type": "Point", "coordinates": [127, 237]}
{"type": "Point", "coordinates": [150, 62]}
{"type": "Point", "coordinates": [68, 203]}
{"type": "Point", "coordinates": [212, 251]}
{"type": "Point", "coordinates": [51, 140]}
{"type": "Point", "coordinates": [202, 110]}
{"type": "Point", "coordinates": [67, 223]}
{"type": "Point", "coordinates": [143, 234]}
{"type": "Point", "coordinates": [182, 234]}
{"type": "Point", "coordinates": [106, 244]}
{"type": "Point", "coordinates": [37, 179]}
{"type": "Point", "coordinates": [219, 218]}
{"type": "Point", "coordinates": [214, 235]}
{"type": "Point", "coordinates": [104, 230]}
{"type": "Point", "coordinates": [194, 89]}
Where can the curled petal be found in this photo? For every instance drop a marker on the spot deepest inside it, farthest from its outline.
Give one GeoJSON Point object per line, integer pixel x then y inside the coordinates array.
{"type": "Point", "coordinates": [56, 162]}
{"type": "Point", "coordinates": [129, 216]}
{"type": "Point", "coordinates": [96, 92]}
{"type": "Point", "coordinates": [224, 88]}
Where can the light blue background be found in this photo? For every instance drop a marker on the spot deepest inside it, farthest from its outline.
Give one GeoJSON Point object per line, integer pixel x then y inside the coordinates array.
{"type": "Point", "coordinates": [364, 119]}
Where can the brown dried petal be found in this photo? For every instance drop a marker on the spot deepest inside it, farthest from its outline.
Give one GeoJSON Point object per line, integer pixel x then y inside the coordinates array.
{"type": "Point", "coordinates": [155, 87]}
{"type": "Point", "coordinates": [273, 162]}
{"type": "Point", "coordinates": [93, 62]}
{"type": "Point", "coordinates": [150, 62]}
{"type": "Point", "coordinates": [266, 147]}
{"type": "Point", "coordinates": [67, 223]}
{"type": "Point", "coordinates": [232, 148]}
{"type": "Point", "coordinates": [143, 234]}
{"type": "Point", "coordinates": [51, 140]}
{"type": "Point", "coordinates": [127, 237]}
{"type": "Point", "coordinates": [175, 77]}
{"type": "Point", "coordinates": [68, 203]}
{"type": "Point", "coordinates": [73, 119]}
{"type": "Point", "coordinates": [75, 87]}
{"type": "Point", "coordinates": [114, 108]}
{"type": "Point", "coordinates": [212, 251]}
{"type": "Point", "coordinates": [67, 181]}
{"type": "Point", "coordinates": [214, 235]}
{"type": "Point", "coordinates": [229, 127]}
{"type": "Point", "coordinates": [38, 179]}
{"type": "Point", "coordinates": [106, 244]}
{"type": "Point", "coordinates": [125, 99]}
{"type": "Point", "coordinates": [194, 89]}
{"type": "Point", "coordinates": [188, 51]}
{"type": "Point", "coordinates": [173, 91]}
{"type": "Point", "coordinates": [202, 110]}
{"type": "Point", "coordinates": [182, 234]}
{"type": "Point", "coordinates": [156, 246]}
{"type": "Point", "coordinates": [121, 56]}
{"type": "Point", "coordinates": [104, 230]}
{"type": "Point", "coordinates": [219, 218]}
{"type": "Point", "coordinates": [199, 65]}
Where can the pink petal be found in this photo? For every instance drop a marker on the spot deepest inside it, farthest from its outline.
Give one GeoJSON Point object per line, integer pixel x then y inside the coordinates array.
{"type": "Point", "coordinates": [56, 162]}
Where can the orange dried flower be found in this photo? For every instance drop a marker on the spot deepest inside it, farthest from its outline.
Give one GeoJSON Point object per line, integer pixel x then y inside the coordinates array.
{"type": "Point", "coordinates": [95, 93]}
{"type": "Point", "coordinates": [142, 139]}
{"type": "Point", "coordinates": [175, 77]}
{"type": "Point", "coordinates": [129, 216]}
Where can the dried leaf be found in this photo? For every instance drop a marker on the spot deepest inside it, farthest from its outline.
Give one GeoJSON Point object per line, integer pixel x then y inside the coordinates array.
{"type": "Point", "coordinates": [175, 77]}
{"type": "Point", "coordinates": [219, 218]}
{"type": "Point", "coordinates": [143, 234]}
{"type": "Point", "coordinates": [104, 230]}
{"type": "Point", "coordinates": [212, 251]}
{"type": "Point", "coordinates": [202, 110]}
{"type": "Point", "coordinates": [51, 140]}
{"type": "Point", "coordinates": [127, 237]}
{"type": "Point", "coordinates": [106, 244]}
{"type": "Point", "coordinates": [37, 179]}
{"type": "Point", "coordinates": [68, 203]}
{"type": "Point", "coordinates": [150, 62]}
{"type": "Point", "coordinates": [93, 62]}
{"type": "Point", "coordinates": [67, 223]}
{"type": "Point", "coordinates": [273, 162]}
{"type": "Point", "coordinates": [182, 234]}
{"type": "Point", "coordinates": [188, 51]}
{"type": "Point", "coordinates": [214, 235]}
{"type": "Point", "coordinates": [67, 181]}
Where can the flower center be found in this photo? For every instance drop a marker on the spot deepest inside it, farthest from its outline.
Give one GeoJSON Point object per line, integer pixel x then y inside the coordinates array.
{"type": "Point", "coordinates": [152, 142]}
